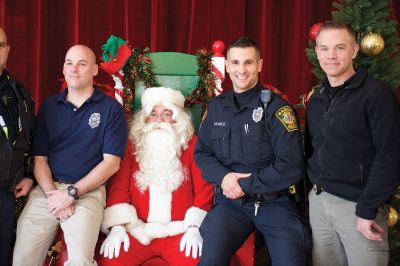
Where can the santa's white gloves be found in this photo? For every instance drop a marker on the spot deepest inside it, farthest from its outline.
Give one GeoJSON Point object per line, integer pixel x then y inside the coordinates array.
{"type": "Point", "coordinates": [112, 243]}
{"type": "Point", "coordinates": [192, 241]}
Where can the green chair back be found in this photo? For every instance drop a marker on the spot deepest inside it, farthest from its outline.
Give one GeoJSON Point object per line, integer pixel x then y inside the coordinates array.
{"type": "Point", "coordinates": [177, 71]}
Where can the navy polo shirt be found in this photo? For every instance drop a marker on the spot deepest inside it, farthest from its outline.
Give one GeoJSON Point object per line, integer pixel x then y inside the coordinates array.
{"type": "Point", "coordinates": [74, 139]}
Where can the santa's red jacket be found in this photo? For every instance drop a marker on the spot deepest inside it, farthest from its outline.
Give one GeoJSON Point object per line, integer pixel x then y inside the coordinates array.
{"type": "Point", "coordinates": [155, 212]}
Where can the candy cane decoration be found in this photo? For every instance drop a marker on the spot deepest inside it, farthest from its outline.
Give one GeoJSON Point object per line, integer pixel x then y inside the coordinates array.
{"type": "Point", "coordinates": [118, 90]}
{"type": "Point", "coordinates": [218, 61]}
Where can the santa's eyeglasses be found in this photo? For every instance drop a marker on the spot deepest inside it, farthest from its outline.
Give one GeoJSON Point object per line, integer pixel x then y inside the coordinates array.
{"type": "Point", "coordinates": [166, 115]}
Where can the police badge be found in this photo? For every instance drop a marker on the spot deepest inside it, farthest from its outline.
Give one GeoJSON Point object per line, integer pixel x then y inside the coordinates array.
{"type": "Point", "coordinates": [94, 120]}
{"type": "Point", "coordinates": [257, 114]}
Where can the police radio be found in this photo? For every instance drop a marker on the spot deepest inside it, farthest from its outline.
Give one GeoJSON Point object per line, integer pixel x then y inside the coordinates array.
{"type": "Point", "coordinates": [265, 98]}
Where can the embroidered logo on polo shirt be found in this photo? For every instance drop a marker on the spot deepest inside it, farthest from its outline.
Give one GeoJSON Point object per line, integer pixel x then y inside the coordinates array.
{"type": "Point", "coordinates": [287, 118]}
{"type": "Point", "coordinates": [94, 120]}
{"type": "Point", "coordinates": [257, 114]}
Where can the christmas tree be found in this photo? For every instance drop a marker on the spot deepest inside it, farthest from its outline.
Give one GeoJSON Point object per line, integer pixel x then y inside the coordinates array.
{"type": "Point", "coordinates": [366, 18]}
{"type": "Point", "coordinates": [379, 41]}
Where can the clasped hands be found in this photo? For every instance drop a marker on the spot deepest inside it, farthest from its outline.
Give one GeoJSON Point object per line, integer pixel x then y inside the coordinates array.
{"type": "Point", "coordinates": [230, 185]}
{"type": "Point", "coordinates": [191, 241]}
{"type": "Point", "coordinates": [60, 204]}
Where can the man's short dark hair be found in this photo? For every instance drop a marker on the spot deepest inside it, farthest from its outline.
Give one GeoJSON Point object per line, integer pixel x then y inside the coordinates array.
{"type": "Point", "coordinates": [328, 25]}
{"type": "Point", "coordinates": [243, 42]}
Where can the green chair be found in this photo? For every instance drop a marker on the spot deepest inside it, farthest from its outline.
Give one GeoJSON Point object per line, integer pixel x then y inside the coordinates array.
{"type": "Point", "coordinates": [177, 71]}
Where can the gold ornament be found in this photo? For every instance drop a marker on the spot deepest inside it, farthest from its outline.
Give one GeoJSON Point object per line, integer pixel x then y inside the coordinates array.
{"type": "Point", "coordinates": [372, 44]}
{"type": "Point", "coordinates": [393, 216]}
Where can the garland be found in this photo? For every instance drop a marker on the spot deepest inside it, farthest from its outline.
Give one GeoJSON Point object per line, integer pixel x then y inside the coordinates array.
{"type": "Point", "coordinates": [206, 84]}
{"type": "Point", "coordinates": [138, 69]}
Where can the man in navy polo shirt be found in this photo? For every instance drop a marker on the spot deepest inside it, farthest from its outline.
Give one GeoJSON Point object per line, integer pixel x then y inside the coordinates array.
{"type": "Point", "coordinates": [80, 138]}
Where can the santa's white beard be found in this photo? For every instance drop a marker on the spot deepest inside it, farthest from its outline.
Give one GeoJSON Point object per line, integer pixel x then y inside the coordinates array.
{"type": "Point", "coordinates": [157, 153]}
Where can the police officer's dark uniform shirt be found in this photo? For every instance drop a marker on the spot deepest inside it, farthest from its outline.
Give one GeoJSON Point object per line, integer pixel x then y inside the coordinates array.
{"type": "Point", "coordinates": [353, 142]}
{"type": "Point", "coordinates": [9, 108]}
{"type": "Point", "coordinates": [233, 138]}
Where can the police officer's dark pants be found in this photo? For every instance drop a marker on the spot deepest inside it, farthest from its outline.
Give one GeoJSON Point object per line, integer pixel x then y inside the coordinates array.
{"type": "Point", "coordinates": [7, 214]}
{"type": "Point", "coordinates": [229, 223]}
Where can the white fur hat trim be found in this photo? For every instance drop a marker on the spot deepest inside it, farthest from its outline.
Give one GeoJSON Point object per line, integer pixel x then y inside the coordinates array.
{"type": "Point", "coordinates": [161, 96]}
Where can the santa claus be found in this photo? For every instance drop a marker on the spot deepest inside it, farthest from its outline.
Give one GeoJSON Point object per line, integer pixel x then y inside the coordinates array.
{"type": "Point", "coordinates": [157, 201]}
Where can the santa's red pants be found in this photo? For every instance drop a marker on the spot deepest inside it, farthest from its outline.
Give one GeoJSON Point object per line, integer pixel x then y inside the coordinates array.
{"type": "Point", "coordinates": [165, 248]}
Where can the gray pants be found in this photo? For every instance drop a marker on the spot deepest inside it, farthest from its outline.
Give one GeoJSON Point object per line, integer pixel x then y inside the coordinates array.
{"type": "Point", "coordinates": [336, 240]}
{"type": "Point", "coordinates": [37, 229]}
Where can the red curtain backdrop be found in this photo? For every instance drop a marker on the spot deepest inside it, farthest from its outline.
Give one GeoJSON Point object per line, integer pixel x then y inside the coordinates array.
{"type": "Point", "coordinates": [41, 31]}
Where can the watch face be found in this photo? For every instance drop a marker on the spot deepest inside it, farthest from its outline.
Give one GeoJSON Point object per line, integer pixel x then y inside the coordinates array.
{"type": "Point", "coordinates": [73, 192]}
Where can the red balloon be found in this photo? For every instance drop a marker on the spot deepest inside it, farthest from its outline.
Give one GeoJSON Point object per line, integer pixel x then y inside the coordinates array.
{"type": "Point", "coordinates": [218, 47]}
{"type": "Point", "coordinates": [314, 29]}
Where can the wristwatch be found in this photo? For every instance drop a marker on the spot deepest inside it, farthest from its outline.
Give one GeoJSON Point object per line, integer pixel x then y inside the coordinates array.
{"type": "Point", "coordinates": [73, 192]}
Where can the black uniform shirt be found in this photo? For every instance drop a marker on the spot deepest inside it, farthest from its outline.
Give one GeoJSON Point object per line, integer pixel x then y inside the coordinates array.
{"type": "Point", "coordinates": [9, 108]}
{"type": "Point", "coordinates": [233, 138]}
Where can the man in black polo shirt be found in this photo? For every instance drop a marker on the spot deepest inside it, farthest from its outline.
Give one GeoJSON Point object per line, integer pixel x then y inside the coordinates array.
{"type": "Point", "coordinates": [16, 120]}
{"type": "Point", "coordinates": [80, 138]}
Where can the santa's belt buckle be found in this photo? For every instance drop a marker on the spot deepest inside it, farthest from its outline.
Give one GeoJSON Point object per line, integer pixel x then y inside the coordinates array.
{"type": "Point", "coordinates": [317, 189]}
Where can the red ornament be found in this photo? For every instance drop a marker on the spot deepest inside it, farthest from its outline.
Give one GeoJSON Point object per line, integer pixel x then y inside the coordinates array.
{"type": "Point", "coordinates": [314, 29]}
{"type": "Point", "coordinates": [218, 48]}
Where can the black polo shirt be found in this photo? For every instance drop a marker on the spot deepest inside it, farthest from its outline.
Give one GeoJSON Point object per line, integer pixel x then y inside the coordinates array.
{"type": "Point", "coordinates": [74, 139]}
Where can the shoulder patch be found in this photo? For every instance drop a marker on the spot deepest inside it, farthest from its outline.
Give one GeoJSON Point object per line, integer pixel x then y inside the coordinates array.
{"type": "Point", "coordinates": [288, 119]}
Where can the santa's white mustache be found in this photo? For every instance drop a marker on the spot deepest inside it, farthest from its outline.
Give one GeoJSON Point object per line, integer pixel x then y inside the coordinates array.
{"type": "Point", "coordinates": [158, 125]}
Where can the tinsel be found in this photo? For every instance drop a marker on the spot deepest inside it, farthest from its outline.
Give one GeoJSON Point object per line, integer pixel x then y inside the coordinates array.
{"type": "Point", "coordinates": [138, 69]}
{"type": "Point", "coordinates": [205, 87]}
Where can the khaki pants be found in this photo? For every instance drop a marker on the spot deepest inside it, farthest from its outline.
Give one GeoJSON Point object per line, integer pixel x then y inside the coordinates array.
{"type": "Point", "coordinates": [37, 229]}
{"type": "Point", "coordinates": [336, 240]}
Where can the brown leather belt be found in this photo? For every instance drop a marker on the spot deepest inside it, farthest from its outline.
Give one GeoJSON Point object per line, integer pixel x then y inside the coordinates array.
{"type": "Point", "coordinates": [63, 181]}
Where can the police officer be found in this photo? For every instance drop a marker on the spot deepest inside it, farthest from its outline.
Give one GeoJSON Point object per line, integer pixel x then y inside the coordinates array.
{"type": "Point", "coordinates": [16, 120]}
{"type": "Point", "coordinates": [249, 146]}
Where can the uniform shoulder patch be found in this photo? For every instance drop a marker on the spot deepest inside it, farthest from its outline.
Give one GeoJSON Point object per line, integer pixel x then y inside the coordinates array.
{"type": "Point", "coordinates": [288, 119]}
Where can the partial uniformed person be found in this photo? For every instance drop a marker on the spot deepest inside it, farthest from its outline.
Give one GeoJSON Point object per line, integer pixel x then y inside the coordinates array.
{"type": "Point", "coordinates": [249, 146]}
{"type": "Point", "coordinates": [16, 121]}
